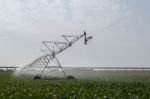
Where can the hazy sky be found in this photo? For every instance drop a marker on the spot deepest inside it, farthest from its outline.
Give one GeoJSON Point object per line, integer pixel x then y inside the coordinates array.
{"type": "Point", "coordinates": [25, 23]}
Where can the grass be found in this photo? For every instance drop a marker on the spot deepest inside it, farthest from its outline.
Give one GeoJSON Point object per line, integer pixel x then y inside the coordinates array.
{"type": "Point", "coordinates": [104, 88]}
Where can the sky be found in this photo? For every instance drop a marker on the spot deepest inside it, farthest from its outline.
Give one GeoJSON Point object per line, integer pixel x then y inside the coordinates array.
{"type": "Point", "coordinates": [120, 30]}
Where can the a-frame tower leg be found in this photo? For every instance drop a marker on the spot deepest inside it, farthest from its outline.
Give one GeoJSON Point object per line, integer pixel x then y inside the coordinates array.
{"type": "Point", "coordinates": [56, 61]}
{"type": "Point", "coordinates": [61, 67]}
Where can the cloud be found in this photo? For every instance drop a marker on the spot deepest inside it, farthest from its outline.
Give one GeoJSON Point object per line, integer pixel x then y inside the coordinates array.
{"type": "Point", "coordinates": [25, 23]}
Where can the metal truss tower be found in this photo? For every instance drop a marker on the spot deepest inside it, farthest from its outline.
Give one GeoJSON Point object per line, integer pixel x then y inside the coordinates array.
{"type": "Point", "coordinates": [51, 50]}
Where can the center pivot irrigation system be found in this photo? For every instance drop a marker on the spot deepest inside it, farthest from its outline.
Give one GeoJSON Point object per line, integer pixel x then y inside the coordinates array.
{"type": "Point", "coordinates": [49, 60]}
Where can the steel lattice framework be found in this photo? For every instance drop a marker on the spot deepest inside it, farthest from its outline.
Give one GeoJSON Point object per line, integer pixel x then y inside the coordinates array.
{"type": "Point", "coordinates": [51, 50]}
